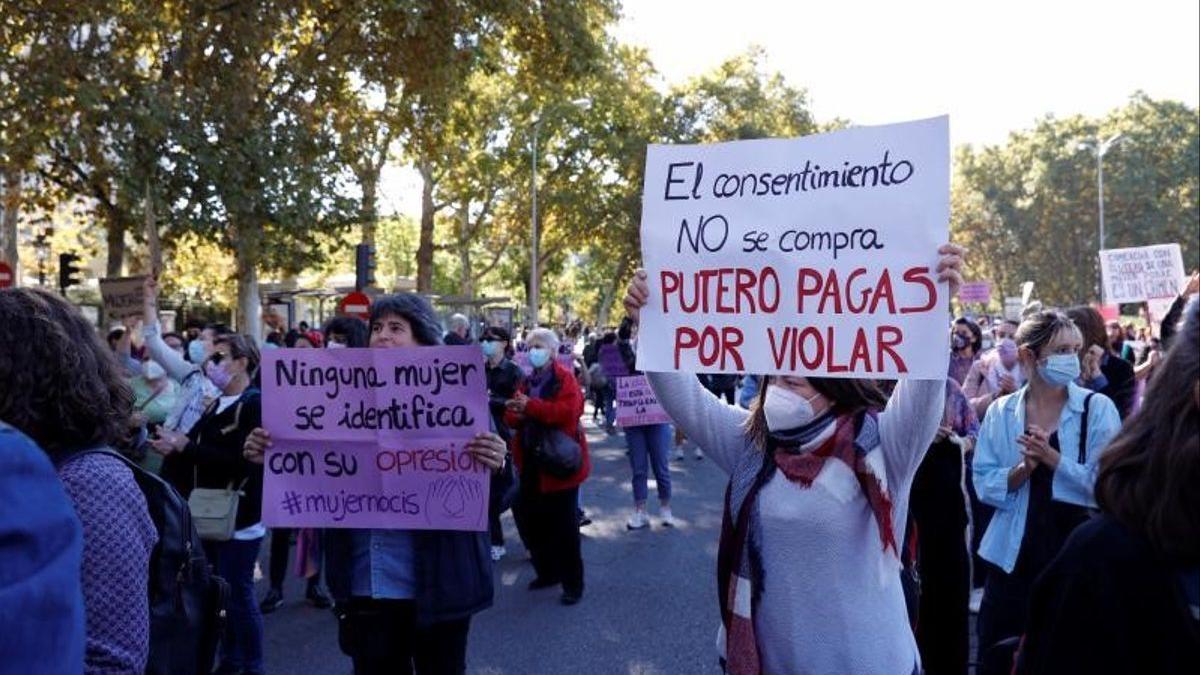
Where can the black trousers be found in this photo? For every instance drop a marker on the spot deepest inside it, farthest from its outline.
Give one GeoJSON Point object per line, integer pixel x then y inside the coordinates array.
{"type": "Point", "coordinates": [549, 526]}
{"type": "Point", "coordinates": [939, 513]}
{"type": "Point", "coordinates": [281, 541]}
{"type": "Point", "coordinates": [382, 638]}
{"type": "Point", "coordinates": [495, 529]}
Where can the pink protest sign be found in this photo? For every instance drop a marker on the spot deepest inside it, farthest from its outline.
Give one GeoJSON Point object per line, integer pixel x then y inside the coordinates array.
{"type": "Point", "coordinates": [636, 404]}
{"type": "Point", "coordinates": [373, 438]}
{"type": "Point", "coordinates": [975, 291]}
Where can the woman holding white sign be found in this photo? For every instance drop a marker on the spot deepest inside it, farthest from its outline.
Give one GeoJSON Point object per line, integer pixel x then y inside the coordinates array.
{"type": "Point", "coordinates": [808, 565]}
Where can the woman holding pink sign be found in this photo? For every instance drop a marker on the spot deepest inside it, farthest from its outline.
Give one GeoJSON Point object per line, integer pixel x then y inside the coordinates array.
{"type": "Point", "coordinates": [820, 474]}
{"type": "Point", "coordinates": [405, 598]}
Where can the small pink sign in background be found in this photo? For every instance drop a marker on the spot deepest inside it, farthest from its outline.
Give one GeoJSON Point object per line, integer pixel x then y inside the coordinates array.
{"type": "Point", "coordinates": [373, 438]}
{"type": "Point", "coordinates": [636, 404]}
{"type": "Point", "coordinates": [975, 291]}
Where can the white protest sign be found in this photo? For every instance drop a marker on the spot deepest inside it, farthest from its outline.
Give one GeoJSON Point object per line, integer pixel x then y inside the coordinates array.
{"type": "Point", "coordinates": [813, 255]}
{"type": "Point", "coordinates": [1141, 273]}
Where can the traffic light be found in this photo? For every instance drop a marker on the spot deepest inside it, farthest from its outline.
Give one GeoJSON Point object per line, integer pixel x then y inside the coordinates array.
{"type": "Point", "coordinates": [68, 268]}
{"type": "Point", "coordinates": [364, 266]}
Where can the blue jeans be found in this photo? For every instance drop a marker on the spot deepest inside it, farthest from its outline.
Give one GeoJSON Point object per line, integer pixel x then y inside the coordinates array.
{"type": "Point", "coordinates": [649, 448]}
{"type": "Point", "coordinates": [241, 645]}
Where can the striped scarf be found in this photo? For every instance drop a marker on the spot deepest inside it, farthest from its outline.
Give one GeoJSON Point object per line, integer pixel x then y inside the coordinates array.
{"type": "Point", "coordinates": [739, 570]}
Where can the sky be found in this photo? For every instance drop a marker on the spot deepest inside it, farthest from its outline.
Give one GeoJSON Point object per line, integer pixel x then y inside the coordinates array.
{"type": "Point", "coordinates": [994, 67]}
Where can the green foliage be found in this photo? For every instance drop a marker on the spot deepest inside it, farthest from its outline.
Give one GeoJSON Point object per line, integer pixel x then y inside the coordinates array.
{"type": "Point", "coordinates": [1028, 209]}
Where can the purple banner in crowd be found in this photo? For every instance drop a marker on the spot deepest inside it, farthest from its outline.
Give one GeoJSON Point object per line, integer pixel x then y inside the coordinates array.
{"type": "Point", "coordinates": [636, 404]}
{"type": "Point", "coordinates": [373, 438]}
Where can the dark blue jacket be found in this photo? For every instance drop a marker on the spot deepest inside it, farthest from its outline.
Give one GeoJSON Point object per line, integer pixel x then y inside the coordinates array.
{"type": "Point", "coordinates": [453, 571]}
{"type": "Point", "coordinates": [41, 550]}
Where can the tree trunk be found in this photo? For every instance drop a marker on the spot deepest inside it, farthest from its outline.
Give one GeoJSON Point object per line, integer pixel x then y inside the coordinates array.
{"type": "Point", "coordinates": [610, 292]}
{"type": "Point", "coordinates": [115, 235]}
{"type": "Point", "coordinates": [10, 210]}
{"type": "Point", "coordinates": [466, 281]}
{"type": "Point", "coordinates": [249, 309]}
{"type": "Point", "coordinates": [367, 209]}
{"type": "Point", "coordinates": [425, 247]}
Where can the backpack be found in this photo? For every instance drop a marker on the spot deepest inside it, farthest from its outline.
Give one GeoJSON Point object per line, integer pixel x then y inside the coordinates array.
{"type": "Point", "coordinates": [187, 601]}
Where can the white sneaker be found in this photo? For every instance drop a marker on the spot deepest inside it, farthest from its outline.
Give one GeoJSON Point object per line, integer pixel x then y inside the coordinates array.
{"type": "Point", "coordinates": [668, 519]}
{"type": "Point", "coordinates": [498, 552]}
{"type": "Point", "coordinates": [638, 521]}
{"type": "Point", "coordinates": [699, 454]}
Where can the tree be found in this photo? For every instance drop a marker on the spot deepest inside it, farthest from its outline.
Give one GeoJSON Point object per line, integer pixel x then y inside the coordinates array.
{"type": "Point", "coordinates": [1028, 208]}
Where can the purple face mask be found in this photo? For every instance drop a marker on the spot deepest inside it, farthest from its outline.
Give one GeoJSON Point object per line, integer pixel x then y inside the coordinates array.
{"type": "Point", "coordinates": [217, 375]}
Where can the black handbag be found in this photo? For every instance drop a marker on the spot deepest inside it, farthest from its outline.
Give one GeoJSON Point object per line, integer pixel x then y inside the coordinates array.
{"type": "Point", "coordinates": [558, 454]}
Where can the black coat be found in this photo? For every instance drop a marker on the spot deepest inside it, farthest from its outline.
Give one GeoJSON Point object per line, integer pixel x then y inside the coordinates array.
{"type": "Point", "coordinates": [213, 456]}
{"type": "Point", "coordinates": [1107, 604]}
{"type": "Point", "coordinates": [503, 381]}
{"type": "Point", "coordinates": [1121, 385]}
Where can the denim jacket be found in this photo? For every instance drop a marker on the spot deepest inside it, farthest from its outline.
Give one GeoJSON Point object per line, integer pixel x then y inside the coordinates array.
{"type": "Point", "coordinates": [997, 451]}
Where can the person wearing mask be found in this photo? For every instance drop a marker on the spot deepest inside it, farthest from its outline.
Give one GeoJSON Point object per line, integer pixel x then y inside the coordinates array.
{"type": "Point", "coordinates": [306, 539]}
{"type": "Point", "coordinates": [1035, 465]}
{"type": "Point", "coordinates": [64, 390]}
{"type": "Point", "coordinates": [404, 598]}
{"type": "Point", "coordinates": [460, 330]}
{"type": "Point", "coordinates": [966, 339]}
{"type": "Point", "coordinates": [939, 535]}
{"type": "Point", "coordinates": [210, 456]}
{"type": "Point", "coordinates": [155, 396]}
{"type": "Point", "coordinates": [504, 380]}
{"type": "Point", "coordinates": [195, 390]}
{"type": "Point", "coordinates": [1102, 370]}
{"type": "Point", "coordinates": [546, 507]}
{"type": "Point", "coordinates": [996, 372]}
{"type": "Point", "coordinates": [41, 546]}
{"type": "Point", "coordinates": [820, 472]}
{"type": "Point", "coordinates": [1123, 595]}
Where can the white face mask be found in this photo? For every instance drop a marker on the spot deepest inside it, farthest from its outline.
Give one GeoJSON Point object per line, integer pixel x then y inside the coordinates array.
{"type": "Point", "coordinates": [785, 409]}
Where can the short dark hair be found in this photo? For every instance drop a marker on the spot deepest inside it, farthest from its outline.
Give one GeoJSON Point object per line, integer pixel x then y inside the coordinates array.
{"type": "Point", "coordinates": [177, 336]}
{"type": "Point", "coordinates": [62, 386]}
{"type": "Point", "coordinates": [849, 397]}
{"type": "Point", "coordinates": [1091, 325]}
{"type": "Point", "coordinates": [416, 310]}
{"type": "Point", "coordinates": [352, 328]}
{"type": "Point", "coordinates": [496, 334]}
{"type": "Point", "coordinates": [1149, 472]}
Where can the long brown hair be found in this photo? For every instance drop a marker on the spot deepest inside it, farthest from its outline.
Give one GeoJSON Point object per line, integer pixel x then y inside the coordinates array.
{"type": "Point", "coordinates": [1091, 325]}
{"type": "Point", "coordinates": [847, 396]}
{"type": "Point", "coordinates": [1150, 473]}
{"type": "Point", "coordinates": [59, 383]}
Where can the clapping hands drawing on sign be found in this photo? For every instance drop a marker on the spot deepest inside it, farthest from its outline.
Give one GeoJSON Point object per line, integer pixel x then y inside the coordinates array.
{"type": "Point", "coordinates": [456, 497]}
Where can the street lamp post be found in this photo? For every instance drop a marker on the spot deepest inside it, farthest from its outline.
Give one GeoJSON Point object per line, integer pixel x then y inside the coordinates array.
{"type": "Point", "coordinates": [1101, 149]}
{"type": "Point", "coordinates": [534, 271]}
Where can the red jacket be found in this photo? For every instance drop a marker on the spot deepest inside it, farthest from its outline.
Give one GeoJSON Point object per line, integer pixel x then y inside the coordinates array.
{"type": "Point", "coordinates": [562, 412]}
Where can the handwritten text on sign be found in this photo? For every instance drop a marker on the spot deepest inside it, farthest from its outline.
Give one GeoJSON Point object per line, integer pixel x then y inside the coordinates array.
{"type": "Point", "coordinates": [122, 297]}
{"type": "Point", "coordinates": [811, 255]}
{"type": "Point", "coordinates": [636, 403]}
{"type": "Point", "coordinates": [1142, 273]}
{"type": "Point", "coordinates": [373, 438]}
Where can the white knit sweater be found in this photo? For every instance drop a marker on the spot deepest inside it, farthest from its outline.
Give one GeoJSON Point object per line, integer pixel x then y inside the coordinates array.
{"type": "Point", "coordinates": [831, 600]}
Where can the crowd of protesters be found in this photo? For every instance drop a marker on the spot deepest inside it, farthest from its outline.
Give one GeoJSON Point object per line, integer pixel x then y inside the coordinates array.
{"type": "Point", "coordinates": [1054, 468]}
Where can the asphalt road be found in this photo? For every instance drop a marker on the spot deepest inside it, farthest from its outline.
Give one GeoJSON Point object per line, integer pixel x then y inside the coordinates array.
{"type": "Point", "coordinates": [650, 607]}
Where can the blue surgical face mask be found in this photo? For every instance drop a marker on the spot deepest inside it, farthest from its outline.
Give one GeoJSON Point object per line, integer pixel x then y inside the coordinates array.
{"type": "Point", "coordinates": [196, 352]}
{"type": "Point", "coordinates": [539, 356]}
{"type": "Point", "coordinates": [490, 348]}
{"type": "Point", "coordinates": [1059, 369]}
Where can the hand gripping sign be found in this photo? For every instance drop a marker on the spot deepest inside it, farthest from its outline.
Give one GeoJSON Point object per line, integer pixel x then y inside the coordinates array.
{"type": "Point", "coordinates": [813, 255]}
{"type": "Point", "coordinates": [373, 438]}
